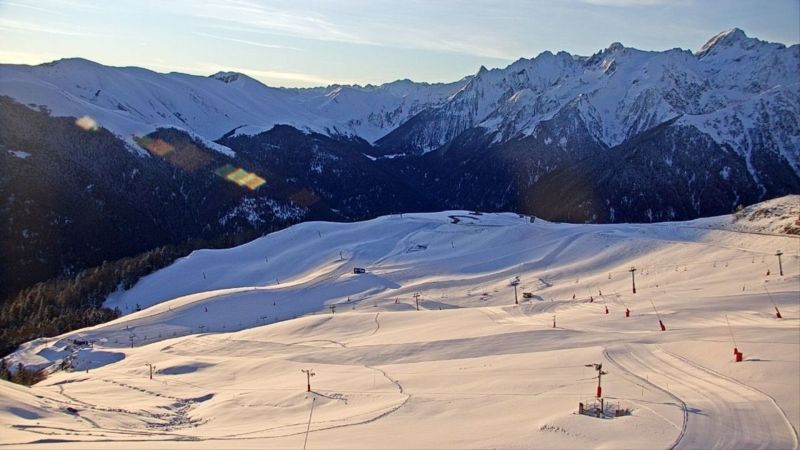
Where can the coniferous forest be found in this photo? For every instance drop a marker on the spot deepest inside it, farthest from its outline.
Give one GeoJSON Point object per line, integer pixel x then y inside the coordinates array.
{"type": "Point", "coordinates": [63, 304]}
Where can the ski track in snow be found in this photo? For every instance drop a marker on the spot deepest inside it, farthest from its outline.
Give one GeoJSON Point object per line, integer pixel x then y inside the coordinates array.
{"type": "Point", "coordinates": [719, 412]}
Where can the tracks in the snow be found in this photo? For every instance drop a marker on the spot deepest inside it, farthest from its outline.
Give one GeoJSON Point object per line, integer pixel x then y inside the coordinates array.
{"type": "Point", "coordinates": [718, 411]}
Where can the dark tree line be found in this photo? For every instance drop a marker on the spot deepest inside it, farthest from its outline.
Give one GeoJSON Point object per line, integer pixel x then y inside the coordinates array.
{"type": "Point", "coordinates": [20, 375]}
{"type": "Point", "coordinates": [64, 304]}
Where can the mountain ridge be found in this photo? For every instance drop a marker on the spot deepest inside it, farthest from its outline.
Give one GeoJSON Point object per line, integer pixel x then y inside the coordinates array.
{"type": "Point", "coordinates": [371, 112]}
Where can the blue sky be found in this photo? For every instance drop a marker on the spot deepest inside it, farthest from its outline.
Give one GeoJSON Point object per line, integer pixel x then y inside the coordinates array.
{"type": "Point", "coordinates": [319, 42]}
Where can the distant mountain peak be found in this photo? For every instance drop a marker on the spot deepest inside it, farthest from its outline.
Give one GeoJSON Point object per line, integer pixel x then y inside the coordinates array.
{"type": "Point", "coordinates": [615, 47]}
{"type": "Point", "coordinates": [73, 62]}
{"type": "Point", "coordinates": [728, 38]}
{"type": "Point", "coordinates": [227, 77]}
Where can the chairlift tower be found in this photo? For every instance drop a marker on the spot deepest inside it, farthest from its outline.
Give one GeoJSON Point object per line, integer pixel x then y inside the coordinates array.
{"type": "Point", "coordinates": [152, 368]}
{"type": "Point", "coordinates": [515, 283]}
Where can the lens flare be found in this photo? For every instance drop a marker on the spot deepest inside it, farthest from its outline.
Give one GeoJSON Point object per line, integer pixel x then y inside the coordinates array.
{"type": "Point", "coordinates": [185, 155]}
{"type": "Point", "coordinates": [240, 176]}
{"type": "Point", "coordinates": [156, 146]}
{"type": "Point", "coordinates": [86, 123]}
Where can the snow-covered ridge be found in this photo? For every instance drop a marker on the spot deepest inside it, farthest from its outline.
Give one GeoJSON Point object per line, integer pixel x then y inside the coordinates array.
{"type": "Point", "coordinates": [131, 100]}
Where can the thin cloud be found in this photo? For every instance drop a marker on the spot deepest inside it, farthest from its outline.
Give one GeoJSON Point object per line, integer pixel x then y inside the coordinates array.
{"type": "Point", "coordinates": [33, 7]}
{"type": "Point", "coordinates": [622, 3]}
{"type": "Point", "coordinates": [245, 41]}
{"type": "Point", "coordinates": [378, 29]}
{"type": "Point", "coordinates": [272, 20]}
{"type": "Point", "coordinates": [20, 25]}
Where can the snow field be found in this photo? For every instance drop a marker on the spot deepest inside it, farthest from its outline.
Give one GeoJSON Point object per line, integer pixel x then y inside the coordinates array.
{"type": "Point", "coordinates": [470, 369]}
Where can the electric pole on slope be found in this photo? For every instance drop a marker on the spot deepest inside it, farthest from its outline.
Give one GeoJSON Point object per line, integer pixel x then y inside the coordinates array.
{"type": "Point", "coordinates": [632, 270]}
{"type": "Point", "coordinates": [416, 299]}
{"type": "Point", "coordinates": [309, 373]}
{"type": "Point", "coordinates": [780, 263]}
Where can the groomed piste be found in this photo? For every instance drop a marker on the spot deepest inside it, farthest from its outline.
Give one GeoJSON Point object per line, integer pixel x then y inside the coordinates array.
{"type": "Point", "coordinates": [434, 346]}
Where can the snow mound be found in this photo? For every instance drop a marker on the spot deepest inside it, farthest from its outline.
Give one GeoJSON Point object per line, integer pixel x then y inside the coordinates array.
{"type": "Point", "coordinates": [781, 215]}
{"type": "Point", "coordinates": [777, 216]}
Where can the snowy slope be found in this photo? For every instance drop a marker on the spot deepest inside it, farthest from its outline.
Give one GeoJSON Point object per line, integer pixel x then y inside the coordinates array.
{"type": "Point", "coordinates": [229, 331]}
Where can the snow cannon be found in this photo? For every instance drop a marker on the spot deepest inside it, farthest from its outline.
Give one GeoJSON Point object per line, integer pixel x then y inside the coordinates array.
{"type": "Point", "coordinates": [739, 356]}
{"type": "Point", "coordinates": [661, 324]}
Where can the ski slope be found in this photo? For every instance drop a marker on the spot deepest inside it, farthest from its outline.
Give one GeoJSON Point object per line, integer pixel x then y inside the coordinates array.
{"type": "Point", "coordinates": [230, 330]}
{"type": "Point", "coordinates": [724, 413]}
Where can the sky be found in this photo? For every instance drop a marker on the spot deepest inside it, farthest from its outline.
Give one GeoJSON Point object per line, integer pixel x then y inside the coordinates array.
{"type": "Point", "coordinates": [302, 43]}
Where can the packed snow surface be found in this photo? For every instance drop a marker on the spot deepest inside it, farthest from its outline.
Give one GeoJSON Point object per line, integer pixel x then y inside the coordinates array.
{"type": "Point", "coordinates": [229, 332]}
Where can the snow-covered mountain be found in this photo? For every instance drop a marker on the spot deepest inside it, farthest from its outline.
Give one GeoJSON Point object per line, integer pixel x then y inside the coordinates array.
{"type": "Point", "coordinates": [741, 91]}
{"type": "Point", "coordinates": [131, 100]}
{"type": "Point", "coordinates": [666, 134]}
